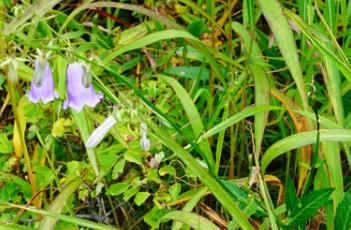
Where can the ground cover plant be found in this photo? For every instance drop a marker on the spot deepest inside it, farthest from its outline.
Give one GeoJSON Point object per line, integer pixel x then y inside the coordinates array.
{"type": "Point", "coordinates": [175, 114]}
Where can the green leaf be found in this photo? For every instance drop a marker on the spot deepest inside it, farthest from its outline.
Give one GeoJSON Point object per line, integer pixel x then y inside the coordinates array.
{"type": "Point", "coordinates": [197, 27]}
{"type": "Point", "coordinates": [60, 126]}
{"type": "Point", "coordinates": [118, 169]}
{"type": "Point", "coordinates": [5, 145]}
{"type": "Point", "coordinates": [189, 72]}
{"type": "Point", "coordinates": [153, 176]}
{"type": "Point", "coordinates": [148, 40]}
{"type": "Point", "coordinates": [279, 25]}
{"type": "Point", "coordinates": [59, 203]}
{"type": "Point", "coordinates": [247, 112]}
{"type": "Point", "coordinates": [291, 200]}
{"type": "Point", "coordinates": [302, 139]}
{"type": "Point", "coordinates": [133, 156]}
{"type": "Point", "coordinates": [167, 169]}
{"type": "Point", "coordinates": [118, 188]}
{"type": "Point", "coordinates": [141, 197]}
{"type": "Point", "coordinates": [69, 219]}
{"type": "Point", "coordinates": [208, 179]}
{"type": "Point", "coordinates": [82, 124]}
{"type": "Point", "coordinates": [195, 221]}
{"type": "Point", "coordinates": [193, 117]}
{"type": "Point", "coordinates": [130, 193]}
{"type": "Point", "coordinates": [39, 9]}
{"type": "Point", "coordinates": [309, 205]}
{"type": "Point", "coordinates": [152, 217]}
{"type": "Point", "coordinates": [44, 176]}
{"type": "Point", "coordinates": [174, 190]}
{"type": "Point", "coordinates": [196, 196]}
{"type": "Point", "coordinates": [343, 213]}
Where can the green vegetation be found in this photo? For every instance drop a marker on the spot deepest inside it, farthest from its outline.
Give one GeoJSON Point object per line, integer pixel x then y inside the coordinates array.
{"type": "Point", "coordinates": [175, 114]}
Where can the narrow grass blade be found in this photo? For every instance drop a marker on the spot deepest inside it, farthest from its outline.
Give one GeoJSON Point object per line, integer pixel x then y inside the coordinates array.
{"type": "Point", "coordinates": [189, 206]}
{"type": "Point", "coordinates": [131, 7]}
{"type": "Point", "coordinates": [258, 71]}
{"type": "Point", "coordinates": [302, 139]}
{"type": "Point", "coordinates": [193, 116]}
{"type": "Point", "coordinates": [59, 203]}
{"type": "Point", "coordinates": [195, 221]}
{"type": "Point", "coordinates": [285, 38]}
{"type": "Point", "coordinates": [220, 140]}
{"type": "Point", "coordinates": [150, 39]}
{"type": "Point", "coordinates": [39, 8]}
{"type": "Point", "coordinates": [331, 151]}
{"type": "Point", "coordinates": [69, 219]}
{"type": "Point", "coordinates": [247, 112]}
{"type": "Point", "coordinates": [210, 181]}
{"type": "Point", "coordinates": [248, 13]}
{"type": "Point", "coordinates": [82, 124]}
{"type": "Point", "coordinates": [342, 64]}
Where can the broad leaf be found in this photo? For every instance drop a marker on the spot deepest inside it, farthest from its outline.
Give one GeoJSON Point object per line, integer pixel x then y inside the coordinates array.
{"type": "Point", "coordinates": [343, 213]}
{"type": "Point", "coordinates": [291, 199]}
{"type": "Point", "coordinates": [309, 205]}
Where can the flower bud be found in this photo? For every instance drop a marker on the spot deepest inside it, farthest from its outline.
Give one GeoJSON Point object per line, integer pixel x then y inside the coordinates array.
{"type": "Point", "coordinates": [98, 134]}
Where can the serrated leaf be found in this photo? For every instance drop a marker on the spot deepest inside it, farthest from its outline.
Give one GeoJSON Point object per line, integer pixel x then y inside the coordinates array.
{"type": "Point", "coordinates": [239, 194]}
{"type": "Point", "coordinates": [118, 188]}
{"type": "Point", "coordinates": [152, 217]}
{"type": "Point", "coordinates": [5, 144]}
{"type": "Point", "coordinates": [291, 199]}
{"type": "Point", "coordinates": [343, 213]}
{"type": "Point", "coordinates": [141, 197]}
{"type": "Point", "coordinates": [43, 175]}
{"type": "Point", "coordinates": [60, 126]}
{"type": "Point", "coordinates": [309, 205]}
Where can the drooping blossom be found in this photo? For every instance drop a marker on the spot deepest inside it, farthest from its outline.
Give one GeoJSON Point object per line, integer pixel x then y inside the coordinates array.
{"type": "Point", "coordinates": [98, 134]}
{"type": "Point", "coordinates": [144, 141]}
{"type": "Point", "coordinates": [80, 91]}
{"type": "Point", "coordinates": [42, 86]}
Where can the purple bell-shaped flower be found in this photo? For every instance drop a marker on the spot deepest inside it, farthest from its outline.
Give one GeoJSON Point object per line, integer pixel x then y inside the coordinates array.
{"type": "Point", "coordinates": [80, 91]}
{"type": "Point", "coordinates": [42, 86]}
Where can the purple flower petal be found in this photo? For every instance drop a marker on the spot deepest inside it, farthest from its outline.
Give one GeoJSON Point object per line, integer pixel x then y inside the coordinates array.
{"type": "Point", "coordinates": [42, 86]}
{"type": "Point", "coordinates": [78, 94]}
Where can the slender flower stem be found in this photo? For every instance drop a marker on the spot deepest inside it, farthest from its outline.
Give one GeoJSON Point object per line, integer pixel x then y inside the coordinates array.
{"type": "Point", "coordinates": [31, 175]}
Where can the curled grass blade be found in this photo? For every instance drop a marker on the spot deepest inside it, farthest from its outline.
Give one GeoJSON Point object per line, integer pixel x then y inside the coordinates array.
{"type": "Point", "coordinates": [247, 112]}
{"type": "Point", "coordinates": [302, 139]}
